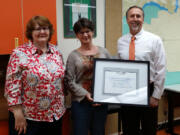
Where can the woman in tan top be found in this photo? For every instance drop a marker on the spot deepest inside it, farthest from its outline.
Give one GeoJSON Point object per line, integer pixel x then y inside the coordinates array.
{"type": "Point", "coordinates": [78, 79]}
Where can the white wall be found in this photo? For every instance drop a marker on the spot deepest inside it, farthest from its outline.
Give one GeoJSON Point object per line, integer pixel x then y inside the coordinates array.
{"type": "Point", "coordinates": [69, 44]}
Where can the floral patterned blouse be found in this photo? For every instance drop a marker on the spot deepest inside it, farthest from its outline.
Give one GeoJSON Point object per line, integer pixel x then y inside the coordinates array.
{"type": "Point", "coordinates": [35, 80]}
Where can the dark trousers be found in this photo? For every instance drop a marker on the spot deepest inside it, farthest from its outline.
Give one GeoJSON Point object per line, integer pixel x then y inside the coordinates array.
{"type": "Point", "coordinates": [135, 117]}
{"type": "Point", "coordinates": [139, 120]}
{"type": "Point", "coordinates": [37, 127]}
{"type": "Point", "coordinates": [86, 118]}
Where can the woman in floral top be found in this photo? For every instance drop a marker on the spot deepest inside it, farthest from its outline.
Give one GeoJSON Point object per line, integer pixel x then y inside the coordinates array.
{"type": "Point", "coordinates": [34, 88]}
{"type": "Point", "coordinates": [78, 80]}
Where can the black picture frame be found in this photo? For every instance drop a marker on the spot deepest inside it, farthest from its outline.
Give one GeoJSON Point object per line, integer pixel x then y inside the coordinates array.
{"type": "Point", "coordinates": [124, 82]}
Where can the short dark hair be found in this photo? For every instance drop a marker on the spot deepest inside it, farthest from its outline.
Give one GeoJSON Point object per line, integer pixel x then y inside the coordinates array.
{"type": "Point", "coordinates": [83, 23]}
{"type": "Point", "coordinates": [134, 7]}
{"type": "Point", "coordinates": [41, 21]}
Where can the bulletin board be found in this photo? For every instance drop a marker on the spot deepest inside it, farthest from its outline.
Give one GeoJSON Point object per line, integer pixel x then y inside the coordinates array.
{"type": "Point", "coordinates": [76, 9]}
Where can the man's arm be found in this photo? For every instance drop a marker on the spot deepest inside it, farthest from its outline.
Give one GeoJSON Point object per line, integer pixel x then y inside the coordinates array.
{"type": "Point", "coordinates": [160, 70]}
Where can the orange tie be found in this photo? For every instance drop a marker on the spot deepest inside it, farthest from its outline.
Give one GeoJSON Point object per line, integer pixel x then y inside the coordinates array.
{"type": "Point", "coordinates": [132, 48]}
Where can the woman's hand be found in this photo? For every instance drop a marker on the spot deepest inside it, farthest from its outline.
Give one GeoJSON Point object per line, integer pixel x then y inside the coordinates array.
{"type": "Point", "coordinates": [95, 105]}
{"type": "Point", "coordinates": [89, 98]}
{"type": "Point", "coordinates": [20, 121]}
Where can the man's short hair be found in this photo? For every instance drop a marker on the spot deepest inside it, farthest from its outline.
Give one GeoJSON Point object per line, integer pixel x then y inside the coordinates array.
{"type": "Point", "coordinates": [134, 7]}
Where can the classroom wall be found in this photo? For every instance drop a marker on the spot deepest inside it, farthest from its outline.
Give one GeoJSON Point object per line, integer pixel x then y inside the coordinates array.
{"type": "Point", "coordinates": [113, 32]}
{"type": "Point", "coordinates": [16, 14]}
{"type": "Point", "coordinates": [113, 24]}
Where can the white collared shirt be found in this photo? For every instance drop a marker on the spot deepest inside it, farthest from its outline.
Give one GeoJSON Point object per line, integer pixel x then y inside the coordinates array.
{"type": "Point", "coordinates": [148, 47]}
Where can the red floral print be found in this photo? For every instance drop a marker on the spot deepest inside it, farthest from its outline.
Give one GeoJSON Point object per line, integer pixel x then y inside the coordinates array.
{"type": "Point", "coordinates": [35, 80]}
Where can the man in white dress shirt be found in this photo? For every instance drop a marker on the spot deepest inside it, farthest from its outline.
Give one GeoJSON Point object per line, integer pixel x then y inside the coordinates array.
{"type": "Point", "coordinates": [148, 47]}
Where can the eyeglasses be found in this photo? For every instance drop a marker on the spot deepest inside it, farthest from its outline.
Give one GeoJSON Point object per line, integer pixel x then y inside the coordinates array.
{"type": "Point", "coordinates": [83, 32]}
{"type": "Point", "coordinates": [41, 28]}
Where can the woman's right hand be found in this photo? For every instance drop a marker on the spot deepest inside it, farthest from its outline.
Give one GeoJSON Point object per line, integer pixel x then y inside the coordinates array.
{"type": "Point", "coordinates": [89, 98]}
{"type": "Point", "coordinates": [20, 121]}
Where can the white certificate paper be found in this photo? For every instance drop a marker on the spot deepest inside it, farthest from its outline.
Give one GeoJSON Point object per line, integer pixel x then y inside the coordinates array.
{"type": "Point", "coordinates": [119, 82]}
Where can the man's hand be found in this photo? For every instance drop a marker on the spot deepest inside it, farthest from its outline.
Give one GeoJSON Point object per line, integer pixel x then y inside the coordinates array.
{"type": "Point", "coordinates": [154, 102]}
{"type": "Point", "coordinates": [20, 121]}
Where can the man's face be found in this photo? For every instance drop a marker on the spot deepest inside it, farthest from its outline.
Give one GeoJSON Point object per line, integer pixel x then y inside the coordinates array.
{"type": "Point", "coordinates": [135, 20]}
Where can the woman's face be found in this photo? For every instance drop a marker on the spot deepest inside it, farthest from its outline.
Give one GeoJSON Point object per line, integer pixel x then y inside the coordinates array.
{"type": "Point", "coordinates": [40, 34]}
{"type": "Point", "coordinates": [85, 36]}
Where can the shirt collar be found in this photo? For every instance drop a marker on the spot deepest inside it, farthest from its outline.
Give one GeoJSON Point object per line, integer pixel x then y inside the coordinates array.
{"type": "Point", "coordinates": [138, 34]}
{"type": "Point", "coordinates": [35, 50]}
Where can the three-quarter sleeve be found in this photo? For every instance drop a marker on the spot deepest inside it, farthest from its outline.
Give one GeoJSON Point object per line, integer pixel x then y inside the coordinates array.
{"type": "Point", "coordinates": [13, 81]}
{"type": "Point", "coordinates": [70, 79]}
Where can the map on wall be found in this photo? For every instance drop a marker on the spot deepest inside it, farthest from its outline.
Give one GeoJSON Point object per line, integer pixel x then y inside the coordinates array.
{"type": "Point", "coordinates": [162, 17]}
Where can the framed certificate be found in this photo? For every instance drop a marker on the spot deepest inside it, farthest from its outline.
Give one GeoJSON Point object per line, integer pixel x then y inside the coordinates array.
{"type": "Point", "coordinates": [121, 82]}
